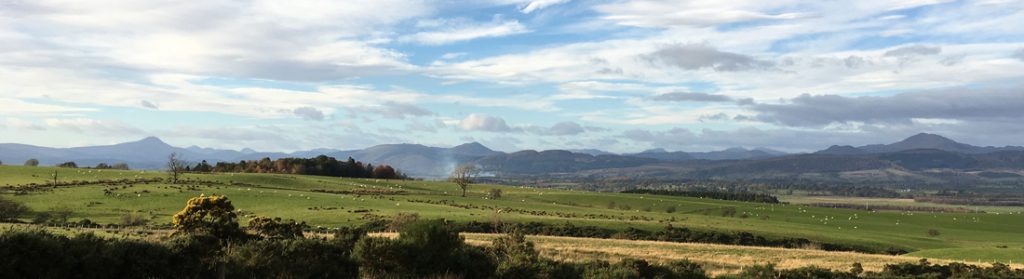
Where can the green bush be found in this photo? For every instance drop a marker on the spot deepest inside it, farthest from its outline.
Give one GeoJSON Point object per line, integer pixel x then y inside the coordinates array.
{"type": "Point", "coordinates": [423, 249]}
{"type": "Point", "coordinates": [633, 268]}
{"type": "Point", "coordinates": [515, 256]}
{"type": "Point", "coordinates": [11, 210]}
{"type": "Point", "coordinates": [276, 228]}
{"type": "Point", "coordinates": [291, 258]}
{"type": "Point", "coordinates": [40, 254]}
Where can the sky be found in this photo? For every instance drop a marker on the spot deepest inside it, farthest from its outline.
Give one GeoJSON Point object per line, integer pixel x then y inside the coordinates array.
{"type": "Point", "coordinates": [615, 75]}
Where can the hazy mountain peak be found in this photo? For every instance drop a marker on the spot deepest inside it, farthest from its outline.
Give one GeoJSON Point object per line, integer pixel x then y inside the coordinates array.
{"type": "Point", "coordinates": [770, 151]}
{"type": "Point", "coordinates": [841, 150]}
{"type": "Point", "coordinates": [929, 139]}
{"type": "Point", "coordinates": [472, 148]}
{"type": "Point", "coordinates": [655, 150]}
{"type": "Point", "coordinates": [591, 151]}
{"type": "Point", "coordinates": [149, 142]}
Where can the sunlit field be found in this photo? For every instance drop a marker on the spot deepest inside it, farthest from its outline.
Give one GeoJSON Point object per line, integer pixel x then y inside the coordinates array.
{"type": "Point", "coordinates": [333, 202]}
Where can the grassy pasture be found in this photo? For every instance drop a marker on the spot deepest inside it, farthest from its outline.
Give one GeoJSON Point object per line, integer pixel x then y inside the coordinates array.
{"type": "Point", "coordinates": [868, 202]}
{"type": "Point", "coordinates": [969, 236]}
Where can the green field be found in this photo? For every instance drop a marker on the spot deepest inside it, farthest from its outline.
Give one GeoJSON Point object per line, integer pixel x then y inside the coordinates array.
{"type": "Point", "coordinates": [970, 236]}
{"type": "Point", "coordinates": [869, 202]}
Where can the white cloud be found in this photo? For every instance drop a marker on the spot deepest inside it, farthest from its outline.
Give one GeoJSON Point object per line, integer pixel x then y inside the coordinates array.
{"type": "Point", "coordinates": [452, 55]}
{"type": "Point", "coordinates": [566, 128]}
{"type": "Point", "coordinates": [21, 124]}
{"type": "Point", "coordinates": [93, 126]}
{"type": "Point", "coordinates": [12, 106]}
{"type": "Point", "coordinates": [691, 13]}
{"type": "Point", "coordinates": [304, 40]}
{"type": "Point", "coordinates": [485, 123]}
{"type": "Point", "coordinates": [452, 31]}
{"type": "Point", "coordinates": [541, 4]}
{"type": "Point", "coordinates": [309, 113]}
{"type": "Point", "coordinates": [394, 110]}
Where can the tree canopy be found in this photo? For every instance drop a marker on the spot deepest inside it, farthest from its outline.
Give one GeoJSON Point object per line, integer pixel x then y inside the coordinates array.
{"type": "Point", "coordinates": [321, 165]}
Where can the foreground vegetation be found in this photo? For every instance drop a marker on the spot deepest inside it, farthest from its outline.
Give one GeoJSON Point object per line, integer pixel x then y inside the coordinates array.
{"type": "Point", "coordinates": [142, 198]}
{"type": "Point", "coordinates": [421, 249]}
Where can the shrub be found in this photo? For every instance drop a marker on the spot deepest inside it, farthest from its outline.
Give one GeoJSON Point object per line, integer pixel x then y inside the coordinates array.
{"type": "Point", "coordinates": [277, 228]}
{"type": "Point", "coordinates": [32, 163]}
{"type": "Point", "coordinates": [11, 210]}
{"type": "Point", "coordinates": [348, 237]}
{"type": "Point", "coordinates": [212, 215]}
{"type": "Point", "coordinates": [134, 219]}
{"type": "Point", "coordinates": [494, 194]}
{"type": "Point", "coordinates": [729, 212]}
{"type": "Point", "coordinates": [515, 256]}
{"type": "Point", "coordinates": [438, 249]}
{"type": "Point", "coordinates": [933, 232]}
{"type": "Point", "coordinates": [401, 220]}
{"type": "Point", "coordinates": [195, 254]}
{"type": "Point", "coordinates": [633, 268]}
{"type": "Point", "coordinates": [61, 214]}
{"type": "Point", "coordinates": [379, 256]}
{"type": "Point", "coordinates": [857, 268]}
{"type": "Point", "coordinates": [685, 269]}
{"type": "Point", "coordinates": [423, 249]}
{"type": "Point", "coordinates": [68, 165]}
{"type": "Point", "coordinates": [42, 218]}
{"type": "Point", "coordinates": [291, 258]}
{"type": "Point", "coordinates": [40, 254]}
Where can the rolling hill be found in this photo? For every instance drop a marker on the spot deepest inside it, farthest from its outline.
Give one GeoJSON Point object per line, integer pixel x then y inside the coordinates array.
{"type": "Point", "coordinates": [922, 158]}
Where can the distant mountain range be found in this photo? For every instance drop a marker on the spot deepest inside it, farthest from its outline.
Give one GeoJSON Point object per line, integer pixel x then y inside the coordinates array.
{"type": "Point", "coordinates": [906, 159]}
{"type": "Point", "coordinates": [919, 141]}
{"type": "Point", "coordinates": [414, 159]}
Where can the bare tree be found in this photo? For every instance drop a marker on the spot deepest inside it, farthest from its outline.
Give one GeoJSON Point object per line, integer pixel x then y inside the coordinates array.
{"type": "Point", "coordinates": [175, 166]}
{"type": "Point", "coordinates": [463, 176]}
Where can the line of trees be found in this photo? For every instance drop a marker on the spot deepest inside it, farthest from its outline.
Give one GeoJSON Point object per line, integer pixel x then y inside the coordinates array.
{"type": "Point", "coordinates": [71, 164]}
{"type": "Point", "coordinates": [321, 165]}
{"type": "Point", "coordinates": [671, 234]}
{"type": "Point", "coordinates": [718, 195]}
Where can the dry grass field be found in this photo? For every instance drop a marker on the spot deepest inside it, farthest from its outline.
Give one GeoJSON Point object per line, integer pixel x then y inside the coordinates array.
{"type": "Point", "coordinates": [715, 258]}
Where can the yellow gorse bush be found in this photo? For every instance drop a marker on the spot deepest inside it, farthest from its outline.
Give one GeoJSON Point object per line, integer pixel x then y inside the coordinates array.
{"type": "Point", "coordinates": [213, 215]}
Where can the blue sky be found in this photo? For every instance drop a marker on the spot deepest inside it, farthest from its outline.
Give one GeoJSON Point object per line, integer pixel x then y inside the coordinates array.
{"type": "Point", "coordinates": [616, 75]}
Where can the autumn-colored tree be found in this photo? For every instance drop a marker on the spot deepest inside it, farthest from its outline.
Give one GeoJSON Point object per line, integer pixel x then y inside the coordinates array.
{"type": "Point", "coordinates": [385, 172]}
{"type": "Point", "coordinates": [208, 215]}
